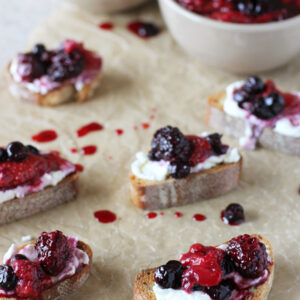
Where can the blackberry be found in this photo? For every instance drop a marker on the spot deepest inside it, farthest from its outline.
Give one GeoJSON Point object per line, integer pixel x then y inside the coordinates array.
{"type": "Point", "coordinates": [216, 143]}
{"type": "Point", "coordinates": [8, 279]}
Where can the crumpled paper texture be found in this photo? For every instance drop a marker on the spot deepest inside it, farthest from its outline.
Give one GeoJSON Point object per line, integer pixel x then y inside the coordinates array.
{"type": "Point", "coordinates": [144, 78]}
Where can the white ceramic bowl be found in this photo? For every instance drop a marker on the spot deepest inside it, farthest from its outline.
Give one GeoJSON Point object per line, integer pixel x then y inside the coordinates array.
{"type": "Point", "coordinates": [239, 48]}
{"type": "Point", "coordinates": [107, 6]}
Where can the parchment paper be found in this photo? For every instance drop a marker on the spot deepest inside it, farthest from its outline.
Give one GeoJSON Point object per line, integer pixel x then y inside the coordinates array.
{"type": "Point", "coordinates": [139, 77]}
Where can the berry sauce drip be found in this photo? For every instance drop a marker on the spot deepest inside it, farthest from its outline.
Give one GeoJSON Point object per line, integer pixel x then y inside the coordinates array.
{"type": "Point", "coordinates": [244, 11]}
{"type": "Point", "coordinates": [73, 150]}
{"type": "Point", "coordinates": [79, 167]}
{"type": "Point", "coordinates": [105, 216]}
{"type": "Point", "coordinates": [233, 214]}
{"type": "Point", "coordinates": [45, 136]}
{"type": "Point", "coordinates": [106, 26]}
{"type": "Point", "coordinates": [178, 214]}
{"type": "Point", "coordinates": [151, 215]}
{"type": "Point", "coordinates": [119, 131]}
{"type": "Point", "coordinates": [199, 217]}
{"type": "Point", "coordinates": [91, 127]}
{"type": "Point", "coordinates": [143, 29]}
{"type": "Point", "coordinates": [145, 125]}
{"type": "Point", "coordinates": [89, 150]}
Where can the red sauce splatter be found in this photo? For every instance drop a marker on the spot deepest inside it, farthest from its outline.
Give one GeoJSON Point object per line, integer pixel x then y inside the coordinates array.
{"type": "Point", "coordinates": [86, 129]}
{"type": "Point", "coordinates": [199, 217]}
{"type": "Point", "coordinates": [145, 125]}
{"type": "Point", "coordinates": [178, 214]}
{"type": "Point", "coordinates": [89, 150]}
{"type": "Point", "coordinates": [162, 213]}
{"type": "Point", "coordinates": [106, 25]}
{"type": "Point", "coordinates": [79, 167]}
{"type": "Point", "coordinates": [119, 131]}
{"type": "Point", "coordinates": [151, 215]}
{"type": "Point", "coordinates": [44, 136]}
{"type": "Point", "coordinates": [73, 150]}
{"type": "Point", "coordinates": [105, 216]}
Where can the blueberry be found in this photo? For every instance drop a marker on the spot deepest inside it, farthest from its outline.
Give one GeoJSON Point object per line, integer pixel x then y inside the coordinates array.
{"type": "Point", "coordinates": [3, 155]}
{"type": "Point", "coordinates": [234, 213]}
{"type": "Point", "coordinates": [254, 85]}
{"type": "Point", "coordinates": [216, 143]}
{"type": "Point", "coordinates": [169, 275]}
{"type": "Point", "coordinates": [148, 30]}
{"type": "Point", "coordinates": [269, 107]}
{"type": "Point", "coordinates": [241, 96]}
{"type": "Point", "coordinates": [8, 279]}
{"type": "Point", "coordinates": [32, 149]}
{"type": "Point", "coordinates": [39, 50]}
{"type": "Point", "coordinates": [18, 257]}
{"type": "Point", "coordinates": [179, 169]}
{"type": "Point", "coordinates": [16, 151]}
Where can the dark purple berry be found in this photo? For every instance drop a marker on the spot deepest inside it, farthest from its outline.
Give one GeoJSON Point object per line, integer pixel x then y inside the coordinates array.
{"type": "Point", "coordinates": [234, 214]}
{"type": "Point", "coordinates": [8, 279]}
{"type": "Point", "coordinates": [169, 276]}
{"type": "Point", "coordinates": [18, 257]}
{"type": "Point", "coordinates": [169, 144]}
{"type": "Point", "coordinates": [33, 150]}
{"type": "Point", "coordinates": [16, 151]}
{"type": "Point", "coordinates": [254, 85]}
{"type": "Point", "coordinates": [148, 30]}
{"type": "Point", "coordinates": [216, 143]}
{"type": "Point", "coordinates": [256, 7]}
{"type": "Point", "coordinates": [227, 265]}
{"type": "Point", "coordinates": [53, 251]}
{"type": "Point", "coordinates": [32, 67]}
{"type": "Point", "coordinates": [39, 50]}
{"type": "Point", "coordinates": [241, 96]}
{"type": "Point", "coordinates": [269, 107]}
{"type": "Point", "coordinates": [249, 255]}
{"type": "Point", "coordinates": [179, 169]}
{"type": "Point", "coordinates": [3, 155]}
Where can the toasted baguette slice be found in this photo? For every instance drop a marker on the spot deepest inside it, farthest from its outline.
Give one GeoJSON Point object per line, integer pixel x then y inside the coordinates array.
{"type": "Point", "coordinates": [49, 197]}
{"type": "Point", "coordinates": [69, 285]}
{"type": "Point", "coordinates": [65, 93]}
{"type": "Point", "coordinates": [219, 120]}
{"type": "Point", "coordinates": [144, 281]}
{"type": "Point", "coordinates": [211, 183]}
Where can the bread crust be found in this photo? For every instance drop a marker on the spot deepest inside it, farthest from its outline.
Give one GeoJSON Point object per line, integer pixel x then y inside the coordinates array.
{"type": "Point", "coordinates": [64, 94]}
{"type": "Point", "coordinates": [211, 183]}
{"type": "Point", "coordinates": [219, 120]}
{"type": "Point", "coordinates": [70, 285]}
{"type": "Point", "coordinates": [144, 281]}
{"type": "Point", "coordinates": [51, 196]}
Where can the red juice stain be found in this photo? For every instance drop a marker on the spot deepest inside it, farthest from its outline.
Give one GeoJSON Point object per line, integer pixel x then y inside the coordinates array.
{"type": "Point", "coordinates": [199, 217]}
{"type": "Point", "coordinates": [79, 167]}
{"type": "Point", "coordinates": [119, 131]}
{"type": "Point", "coordinates": [151, 215]}
{"type": "Point", "coordinates": [144, 30]}
{"type": "Point", "coordinates": [178, 214]}
{"type": "Point", "coordinates": [162, 213]}
{"type": "Point", "coordinates": [106, 26]}
{"type": "Point", "coordinates": [105, 216]}
{"type": "Point", "coordinates": [89, 150]}
{"type": "Point", "coordinates": [86, 129]}
{"type": "Point", "coordinates": [152, 117]}
{"type": "Point", "coordinates": [145, 125]}
{"type": "Point", "coordinates": [135, 127]}
{"type": "Point", "coordinates": [73, 150]}
{"type": "Point", "coordinates": [45, 136]}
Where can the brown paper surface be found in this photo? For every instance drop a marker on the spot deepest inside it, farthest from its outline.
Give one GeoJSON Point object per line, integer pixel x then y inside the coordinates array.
{"type": "Point", "coordinates": [139, 76]}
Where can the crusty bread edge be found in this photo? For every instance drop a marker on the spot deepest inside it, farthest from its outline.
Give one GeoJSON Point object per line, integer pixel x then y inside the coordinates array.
{"type": "Point", "coordinates": [144, 281]}
{"type": "Point", "coordinates": [65, 93]}
{"type": "Point", "coordinates": [69, 285]}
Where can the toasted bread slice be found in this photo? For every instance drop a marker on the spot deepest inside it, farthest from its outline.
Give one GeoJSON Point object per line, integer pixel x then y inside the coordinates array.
{"type": "Point", "coordinates": [219, 120]}
{"type": "Point", "coordinates": [65, 93]}
{"type": "Point", "coordinates": [49, 197]}
{"type": "Point", "coordinates": [144, 281]}
{"type": "Point", "coordinates": [69, 285]}
{"type": "Point", "coordinates": [211, 183]}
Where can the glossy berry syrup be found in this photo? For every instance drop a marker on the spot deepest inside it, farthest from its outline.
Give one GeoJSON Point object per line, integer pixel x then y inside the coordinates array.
{"type": "Point", "coordinates": [199, 217]}
{"type": "Point", "coordinates": [45, 136]}
{"type": "Point", "coordinates": [143, 29]}
{"type": "Point", "coordinates": [91, 127]}
{"type": "Point", "coordinates": [106, 26]}
{"type": "Point", "coordinates": [89, 150]}
{"type": "Point", "coordinates": [119, 131]}
{"type": "Point", "coordinates": [151, 215]}
{"type": "Point", "coordinates": [178, 214]}
{"type": "Point", "coordinates": [105, 216]}
{"type": "Point", "coordinates": [145, 125]}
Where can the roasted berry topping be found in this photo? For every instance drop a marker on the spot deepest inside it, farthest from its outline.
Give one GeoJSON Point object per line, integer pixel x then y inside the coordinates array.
{"type": "Point", "coordinates": [169, 144]}
{"type": "Point", "coordinates": [216, 143]}
{"type": "Point", "coordinates": [269, 107]}
{"type": "Point", "coordinates": [227, 265]}
{"type": "Point", "coordinates": [169, 275]}
{"type": "Point", "coordinates": [16, 151]}
{"type": "Point", "coordinates": [249, 255]}
{"type": "Point", "coordinates": [18, 257]}
{"type": "Point", "coordinates": [8, 279]}
{"type": "Point", "coordinates": [222, 291]}
{"type": "Point", "coordinates": [179, 169]}
{"type": "Point", "coordinates": [202, 266]}
{"type": "Point", "coordinates": [233, 214]}
{"type": "Point", "coordinates": [53, 252]}
{"type": "Point", "coordinates": [201, 149]}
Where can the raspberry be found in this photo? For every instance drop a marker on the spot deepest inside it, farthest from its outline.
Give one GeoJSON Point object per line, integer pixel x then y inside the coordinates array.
{"type": "Point", "coordinates": [53, 252]}
{"type": "Point", "coordinates": [201, 149]}
{"type": "Point", "coordinates": [249, 255]}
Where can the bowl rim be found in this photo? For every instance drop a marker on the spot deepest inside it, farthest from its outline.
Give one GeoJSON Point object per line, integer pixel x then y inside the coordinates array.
{"type": "Point", "coordinates": [232, 26]}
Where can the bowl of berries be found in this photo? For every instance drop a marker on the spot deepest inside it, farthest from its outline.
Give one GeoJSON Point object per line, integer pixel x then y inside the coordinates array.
{"type": "Point", "coordinates": [107, 6]}
{"type": "Point", "coordinates": [241, 36]}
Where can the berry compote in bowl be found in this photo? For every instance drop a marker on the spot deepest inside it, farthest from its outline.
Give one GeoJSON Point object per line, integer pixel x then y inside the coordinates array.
{"type": "Point", "coordinates": [240, 36]}
{"type": "Point", "coordinates": [107, 6]}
